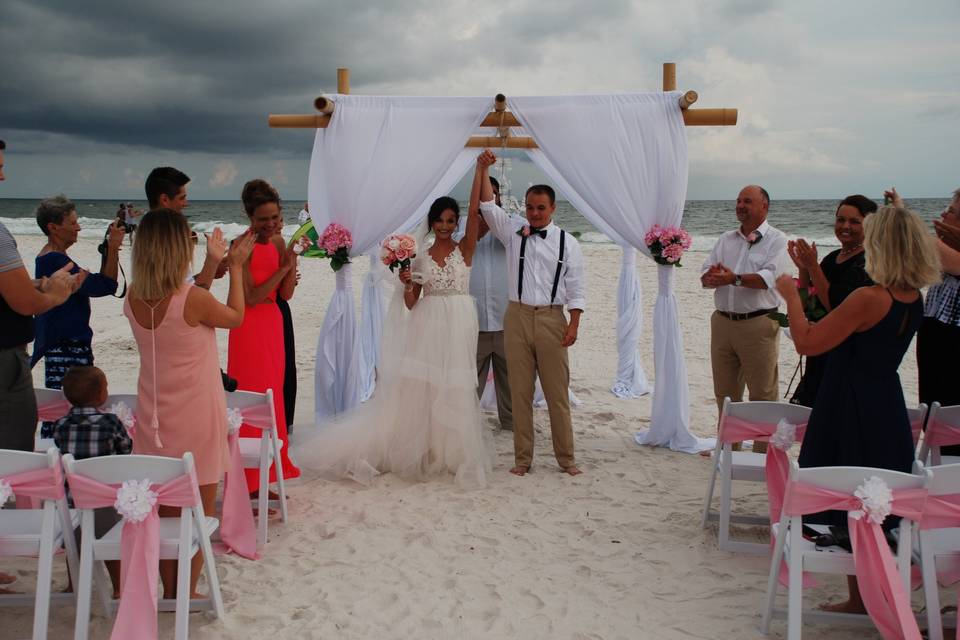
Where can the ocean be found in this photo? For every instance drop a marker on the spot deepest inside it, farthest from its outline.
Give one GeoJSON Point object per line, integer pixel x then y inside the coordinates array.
{"type": "Point", "coordinates": [704, 219]}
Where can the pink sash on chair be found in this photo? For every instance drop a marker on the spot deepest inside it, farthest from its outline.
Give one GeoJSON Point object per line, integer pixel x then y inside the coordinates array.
{"type": "Point", "coordinates": [45, 484]}
{"type": "Point", "coordinates": [139, 549]}
{"type": "Point", "coordinates": [940, 434]}
{"type": "Point", "coordinates": [777, 470]}
{"type": "Point", "coordinates": [239, 530]}
{"type": "Point", "coordinates": [53, 410]}
{"type": "Point", "coordinates": [883, 592]}
{"type": "Point", "coordinates": [916, 427]}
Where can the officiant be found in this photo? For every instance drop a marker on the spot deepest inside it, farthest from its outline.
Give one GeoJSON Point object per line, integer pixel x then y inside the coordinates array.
{"type": "Point", "coordinates": [545, 273]}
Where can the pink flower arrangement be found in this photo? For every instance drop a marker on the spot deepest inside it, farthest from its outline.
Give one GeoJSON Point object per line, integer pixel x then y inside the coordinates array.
{"type": "Point", "coordinates": [667, 244]}
{"type": "Point", "coordinates": [336, 242]}
{"type": "Point", "coordinates": [398, 250]}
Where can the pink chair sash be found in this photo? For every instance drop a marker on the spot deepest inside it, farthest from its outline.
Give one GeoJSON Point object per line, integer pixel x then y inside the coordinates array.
{"type": "Point", "coordinates": [883, 592]}
{"type": "Point", "coordinates": [139, 549]}
{"type": "Point", "coordinates": [45, 484]}
{"type": "Point", "coordinates": [53, 411]}
{"type": "Point", "coordinates": [239, 530]}
{"type": "Point", "coordinates": [941, 434]}
{"type": "Point", "coordinates": [916, 427]}
{"type": "Point", "coordinates": [777, 470]}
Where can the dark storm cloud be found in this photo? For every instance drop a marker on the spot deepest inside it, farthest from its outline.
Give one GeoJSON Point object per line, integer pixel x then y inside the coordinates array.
{"type": "Point", "coordinates": [201, 77]}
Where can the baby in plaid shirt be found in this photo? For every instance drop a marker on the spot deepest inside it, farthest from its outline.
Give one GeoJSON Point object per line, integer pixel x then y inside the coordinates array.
{"type": "Point", "coordinates": [87, 433]}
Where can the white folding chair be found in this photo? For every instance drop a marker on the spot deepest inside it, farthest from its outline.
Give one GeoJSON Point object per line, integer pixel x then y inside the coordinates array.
{"type": "Point", "coordinates": [745, 466]}
{"type": "Point", "coordinates": [181, 538]}
{"type": "Point", "coordinates": [917, 416]}
{"type": "Point", "coordinates": [802, 555]}
{"type": "Point", "coordinates": [940, 546]}
{"type": "Point", "coordinates": [949, 416]}
{"type": "Point", "coordinates": [259, 453]}
{"type": "Point", "coordinates": [51, 398]}
{"type": "Point", "coordinates": [37, 533]}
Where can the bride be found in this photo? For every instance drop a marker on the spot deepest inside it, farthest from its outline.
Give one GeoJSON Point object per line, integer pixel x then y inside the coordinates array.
{"type": "Point", "coordinates": [424, 418]}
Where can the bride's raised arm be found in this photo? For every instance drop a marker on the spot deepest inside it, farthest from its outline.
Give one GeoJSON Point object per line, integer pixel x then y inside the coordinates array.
{"type": "Point", "coordinates": [469, 241]}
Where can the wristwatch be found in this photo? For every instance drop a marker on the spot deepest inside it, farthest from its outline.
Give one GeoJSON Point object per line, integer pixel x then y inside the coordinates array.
{"type": "Point", "coordinates": [737, 281]}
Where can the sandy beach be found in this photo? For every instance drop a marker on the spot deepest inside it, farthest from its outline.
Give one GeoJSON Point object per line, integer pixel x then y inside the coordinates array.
{"type": "Point", "coordinates": [615, 553]}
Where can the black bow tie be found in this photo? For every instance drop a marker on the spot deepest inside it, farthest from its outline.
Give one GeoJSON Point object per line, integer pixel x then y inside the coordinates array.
{"type": "Point", "coordinates": [535, 231]}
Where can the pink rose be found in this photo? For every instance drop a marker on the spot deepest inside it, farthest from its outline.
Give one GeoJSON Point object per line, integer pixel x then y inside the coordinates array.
{"type": "Point", "coordinates": [402, 254]}
{"type": "Point", "coordinates": [407, 243]}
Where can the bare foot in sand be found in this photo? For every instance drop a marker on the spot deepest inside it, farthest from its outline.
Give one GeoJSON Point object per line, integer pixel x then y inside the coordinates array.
{"type": "Point", "coordinates": [8, 592]}
{"type": "Point", "coordinates": [6, 578]}
{"type": "Point", "coordinates": [572, 470]}
{"type": "Point", "coordinates": [847, 606]}
{"type": "Point", "coordinates": [520, 470]}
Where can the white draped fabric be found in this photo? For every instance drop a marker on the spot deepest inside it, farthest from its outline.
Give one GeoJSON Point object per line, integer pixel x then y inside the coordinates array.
{"type": "Point", "coordinates": [372, 300]}
{"type": "Point", "coordinates": [371, 170]}
{"type": "Point", "coordinates": [626, 157]}
{"type": "Point", "coordinates": [631, 381]}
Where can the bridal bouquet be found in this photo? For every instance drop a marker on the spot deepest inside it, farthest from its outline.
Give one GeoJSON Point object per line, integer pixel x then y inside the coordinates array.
{"type": "Point", "coordinates": [398, 250]}
{"type": "Point", "coordinates": [667, 244]}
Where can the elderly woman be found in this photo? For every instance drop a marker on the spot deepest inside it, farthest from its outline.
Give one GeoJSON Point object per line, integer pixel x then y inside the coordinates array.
{"type": "Point", "coordinates": [63, 334]}
{"type": "Point", "coordinates": [834, 278]}
{"type": "Point", "coordinates": [859, 417]}
{"type": "Point", "coordinates": [938, 342]}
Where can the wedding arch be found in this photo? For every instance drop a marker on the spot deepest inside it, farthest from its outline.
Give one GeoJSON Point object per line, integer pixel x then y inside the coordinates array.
{"type": "Point", "coordinates": [620, 159]}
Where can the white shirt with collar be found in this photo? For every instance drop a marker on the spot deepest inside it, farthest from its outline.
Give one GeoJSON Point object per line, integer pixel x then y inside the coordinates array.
{"type": "Point", "coordinates": [540, 263]}
{"type": "Point", "coordinates": [489, 282]}
{"type": "Point", "coordinates": [765, 258]}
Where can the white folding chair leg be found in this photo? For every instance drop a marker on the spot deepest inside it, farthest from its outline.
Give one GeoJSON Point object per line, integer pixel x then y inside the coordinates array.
{"type": "Point", "coordinates": [726, 488]}
{"type": "Point", "coordinates": [183, 576]}
{"type": "Point", "coordinates": [795, 595]}
{"type": "Point", "coordinates": [774, 578]}
{"type": "Point", "coordinates": [41, 610]}
{"type": "Point", "coordinates": [931, 593]}
{"type": "Point", "coordinates": [209, 565]}
{"type": "Point", "coordinates": [281, 486]}
{"type": "Point", "coordinates": [710, 485]}
{"type": "Point", "coordinates": [263, 495]}
{"type": "Point", "coordinates": [84, 584]}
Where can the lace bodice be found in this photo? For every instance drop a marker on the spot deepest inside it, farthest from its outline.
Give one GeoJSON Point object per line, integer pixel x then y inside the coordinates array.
{"type": "Point", "coordinates": [452, 279]}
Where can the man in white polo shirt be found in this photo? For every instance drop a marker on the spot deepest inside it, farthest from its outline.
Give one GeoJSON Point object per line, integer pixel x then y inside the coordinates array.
{"type": "Point", "coordinates": [742, 269]}
{"type": "Point", "coordinates": [545, 273]}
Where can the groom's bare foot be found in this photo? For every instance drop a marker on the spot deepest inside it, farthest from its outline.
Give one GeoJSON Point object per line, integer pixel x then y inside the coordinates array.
{"type": "Point", "coordinates": [520, 470]}
{"type": "Point", "coordinates": [572, 470]}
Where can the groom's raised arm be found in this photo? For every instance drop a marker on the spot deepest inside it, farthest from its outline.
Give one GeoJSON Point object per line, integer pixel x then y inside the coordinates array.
{"type": "Point", "coordinates": [496, 218]}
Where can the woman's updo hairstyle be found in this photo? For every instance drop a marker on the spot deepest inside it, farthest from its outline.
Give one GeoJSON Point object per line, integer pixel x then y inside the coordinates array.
{"type": "Point", "coordinates": [258, 192]}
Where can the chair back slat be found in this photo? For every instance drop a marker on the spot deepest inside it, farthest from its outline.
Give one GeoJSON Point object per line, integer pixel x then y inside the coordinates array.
{"type": "Point", "coordinates": [768, 412]}
{"type": "Point", "coordinates": [945, 480]}
{"type": "Point", "coordinates": [848, 479]}
{"type": "Point", "coordinates": [12, 461]}
{"type": "Point", "coordinates": [117, 469]}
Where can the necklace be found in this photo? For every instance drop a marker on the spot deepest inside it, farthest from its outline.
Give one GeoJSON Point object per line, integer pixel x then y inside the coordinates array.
{"type": "Point", "coordinates": [849, 252]}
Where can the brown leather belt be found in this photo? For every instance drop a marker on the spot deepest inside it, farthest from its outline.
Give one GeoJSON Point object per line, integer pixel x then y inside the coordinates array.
{"type": "Point", "coordinates": [745, 316]}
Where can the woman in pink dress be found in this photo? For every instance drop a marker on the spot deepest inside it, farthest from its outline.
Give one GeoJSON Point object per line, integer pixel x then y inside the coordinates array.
{"type": "Point", "coordinates": [180, 401]}
{"type": "Point", "coordinates": [255, 356]}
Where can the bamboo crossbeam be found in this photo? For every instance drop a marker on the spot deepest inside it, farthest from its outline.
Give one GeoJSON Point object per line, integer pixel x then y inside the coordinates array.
{"type": "Point", "coordinates": [325, 105]}
{"type": "Point", "coordinates": [688, 99]}
{"type": "Point", "coordinates": [493, 142]}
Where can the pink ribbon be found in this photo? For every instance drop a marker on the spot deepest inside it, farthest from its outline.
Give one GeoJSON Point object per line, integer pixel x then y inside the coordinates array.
{"type": "Point", "coordinates": [139, 549]}
{"type": "Point", "coordinates": [777, 469]}
{"type": "Point", "coordinates": [239, 530]}
{"type": "Point", "coordinates": [881, 588]}
{"type": "Point", "coordinates": [941, 434]}
{"type": "Point", "coordinates": [45, 484]}
{"type": "Point", "coordinates": [916, 428]}
{"type": "Point", "coordinates": [53, 410]}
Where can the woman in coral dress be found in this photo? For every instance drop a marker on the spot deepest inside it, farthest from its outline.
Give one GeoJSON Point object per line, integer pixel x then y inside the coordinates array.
{"type": "Point", "coordinates": [255, 355]}
{"type": "Point", "coordinates": [180, 402]}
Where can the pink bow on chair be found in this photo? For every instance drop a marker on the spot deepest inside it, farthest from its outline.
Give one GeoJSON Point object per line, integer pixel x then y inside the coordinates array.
{"type": "Point", "coordinates": [776, 470]}
{"type": "Point", "coordinates": [239, 531]}
{"type": "Point", "coordinates": [53, 410]}
{"type": "Point", "coordinates": [883, 592]}
{"type": "Point", "coordinates": [45, 484]}
{"type": "Point", "coordinates": [940, 434]}
{"type": "Point", "coordinates": [139, 549]}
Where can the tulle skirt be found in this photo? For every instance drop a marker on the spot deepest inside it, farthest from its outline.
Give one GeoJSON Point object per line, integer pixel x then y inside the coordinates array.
{"type": "Point", "coordinates": [424, 417]}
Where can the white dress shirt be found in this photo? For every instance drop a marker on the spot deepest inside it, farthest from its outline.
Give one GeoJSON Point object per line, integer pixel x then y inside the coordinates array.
{"type": "Point", "coordinates": [489, 282]}
{"type": "Point", "coordinates": [765, 258]}
{"type": "Point", "coordinates": [541, 258]}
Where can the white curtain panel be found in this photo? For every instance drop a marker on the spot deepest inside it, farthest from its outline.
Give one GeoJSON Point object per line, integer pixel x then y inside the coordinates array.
{"type": "Point", "coordinates": [371, 170]}
{"type": "Point", "coordinates": [626, 157]}
{"type": "Point", "coordinates": [631, 381]}
{"type": "Point", "coordinates": [376, 287]}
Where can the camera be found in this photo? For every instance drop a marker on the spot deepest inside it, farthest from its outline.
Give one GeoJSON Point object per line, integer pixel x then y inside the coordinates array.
{"type": "Point", "coordinates": [229, 384]}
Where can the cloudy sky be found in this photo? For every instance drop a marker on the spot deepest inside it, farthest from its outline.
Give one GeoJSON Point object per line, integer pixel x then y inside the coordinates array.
{"type": "Point", "coordinates": [834, 97]}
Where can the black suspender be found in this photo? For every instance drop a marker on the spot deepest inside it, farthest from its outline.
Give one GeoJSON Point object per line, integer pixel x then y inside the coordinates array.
{"type": "Point", "coordinates": [556, 277]}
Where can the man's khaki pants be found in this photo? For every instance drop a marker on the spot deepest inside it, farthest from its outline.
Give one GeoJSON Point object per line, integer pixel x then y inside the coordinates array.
{"type": "Point", "coordinates": [532, 337]}
{"type": "Point", "coordinates": [491, 353]}
{"type": "Point", "coordinates": [745, 352]}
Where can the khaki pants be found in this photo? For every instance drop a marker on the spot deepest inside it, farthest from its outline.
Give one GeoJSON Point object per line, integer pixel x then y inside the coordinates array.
{"type": "Point", "coordinates": [18, 404]}
{"type": "Point", "coordinates": [490, 353]}
{"type": "Point", "coordinates": [532, 338]}
{"type": "Point", "coordinates": [745, 353]}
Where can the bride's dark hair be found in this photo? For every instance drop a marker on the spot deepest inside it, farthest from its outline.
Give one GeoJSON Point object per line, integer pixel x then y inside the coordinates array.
{"type": "Point", "coordinates": [440, 205]}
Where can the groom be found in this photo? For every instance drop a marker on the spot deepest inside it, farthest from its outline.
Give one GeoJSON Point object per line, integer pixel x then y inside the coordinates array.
{"type": "Point", "coordinates": [545, 272]}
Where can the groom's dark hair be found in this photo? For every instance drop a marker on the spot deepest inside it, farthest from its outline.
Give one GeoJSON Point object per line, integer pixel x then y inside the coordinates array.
{"type": "Point", "coordinates": [543, 190]}
{"type": "Point", "coordinates": [440, 205]}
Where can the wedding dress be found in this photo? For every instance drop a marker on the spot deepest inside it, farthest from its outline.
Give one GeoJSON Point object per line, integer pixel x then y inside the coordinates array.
{"type": "Point", "coordinates": [424, 416]}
